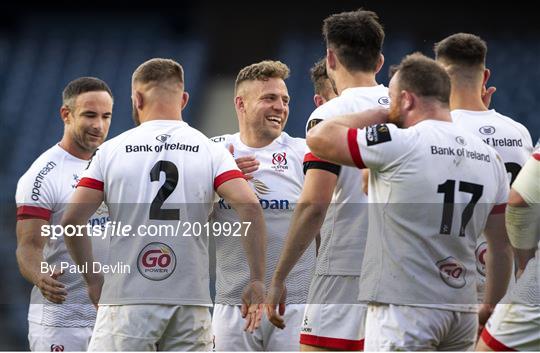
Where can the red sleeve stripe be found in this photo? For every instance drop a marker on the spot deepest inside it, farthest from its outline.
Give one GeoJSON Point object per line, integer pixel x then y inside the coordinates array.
{"type": "Point", "coordinates": [332, 343]}
{"type": "Point", "coordinates": [226, 176]}
{"type": "Point", "coordinates": [498, 209]}
{"type": "Point", "coordinates": [493, 343]}
{"type": "Point", "coordinates": [354, 149]}
{"type": "Point", "coordinates": [91, 183]}
{"type": "Point", "coordinates": [32, 212]}
{"type": "Point", "coordinates": [310, 157]}
{"type": "Point", "coordinates": [536, 156]}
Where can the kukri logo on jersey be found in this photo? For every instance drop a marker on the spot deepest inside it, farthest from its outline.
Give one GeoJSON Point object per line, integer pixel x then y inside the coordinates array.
{"type": "Point", "coordinates": [163, 138]}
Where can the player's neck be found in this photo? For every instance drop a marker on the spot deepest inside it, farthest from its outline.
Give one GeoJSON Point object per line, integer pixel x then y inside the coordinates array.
{"type": "Point", "coordinates": [160, 117]}
{"type": "Point", "coordinates": [160, 112]}
{"type": "Point", "coordinates": [428, 112]}
{"type": "Point", "coordinates": [466, 99]}
{"type": "Point", "coordinates": [253, 140]}
{"type": "Point", "coordinates": [74, 149]}
{"type": "Point", "coordinates": [346, 80]}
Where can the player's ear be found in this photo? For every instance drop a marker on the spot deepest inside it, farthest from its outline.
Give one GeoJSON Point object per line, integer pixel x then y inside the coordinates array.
{"type": "Point", "coordinates": [64, 114]}
{"type": "Point", "coordinates": [407, 99]}
{"type": "Point", "coordinates": [318, 100]}
{"type": "Point", "coordinates": [487, 74]}
{"type": "Point", "coordinates": [185, 99]}
{"type": "Point", "coordinates": [380, 63]}
{"type": "Point", "coordinates": [138, 100]}
{"type": "Point", "coordinates": [239, 104]}
{"type": "Point", "coordinates": [331, 60]}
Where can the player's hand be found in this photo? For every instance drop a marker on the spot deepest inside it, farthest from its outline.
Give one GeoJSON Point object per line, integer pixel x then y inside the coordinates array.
{"type": "Point", "coordinates": [483, 315]}
{"type": "Point", "coordinates": [94, 283]}
{"type": "Point", "coordinates": [487, 93]}
{"type": "Point", "coordinates": [52, 289]}
{"type": "Point", "coordinates": [252, 305]}
{"type": "Point", "coordinates": [247, 164]}
{"type": "Point", "coordinates": [277, 293]}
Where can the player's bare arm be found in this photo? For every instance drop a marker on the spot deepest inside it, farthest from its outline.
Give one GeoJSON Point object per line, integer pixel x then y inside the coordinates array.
{"type": "Point", "coordinates": [84, 202]}
{"type": "Point", "coordinates": [362, 119]}
{"type": "Point", "coordinates": [498, 264]}
{"type": "Point", "coordinates": [240, 196]}
{"type": "Point", "coordinates": [522, 212]}
{"type": "Point", "coordinates": [29, 253]}
{"type": "Point", "coordinates": [521, 225]}
{"type": "Point", "coordinates": [328, 140]}
{"type": "Point", "coordinates": [305, 225]}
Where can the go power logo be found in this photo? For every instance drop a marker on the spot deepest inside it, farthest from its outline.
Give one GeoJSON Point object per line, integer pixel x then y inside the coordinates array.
{"type": "Point", "coordinates": [156, 261]}
{"type": "Point", "coordinates": [452, 272]}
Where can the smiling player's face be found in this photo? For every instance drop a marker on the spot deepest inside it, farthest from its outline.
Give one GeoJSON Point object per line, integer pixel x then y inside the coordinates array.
{"type": "Point", "coordinates": [89, 120]}
{"type": "Point", "coordinates": [266, 105]}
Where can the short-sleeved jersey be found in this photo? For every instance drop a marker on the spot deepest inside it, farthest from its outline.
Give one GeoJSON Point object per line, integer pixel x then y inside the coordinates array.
{"type": "Point", "coordinates": [508, 137]}
{"type": "Point", "coordinates": [43, 192]}
{"type": "Point", "coordinates": [277, 183]}
{"type": "Point", "coordinates": [514, 144]}
{"type": "Point", "coordinates": [159, 177]}
{"type": "Point", "coordinates": [432, 187]}
{"type": "Point", "coordinates": [530, 192]}
{"type": "Point", "coordinates": [344, 231]}
{"type": "Point", "coordinates": [527, 184]}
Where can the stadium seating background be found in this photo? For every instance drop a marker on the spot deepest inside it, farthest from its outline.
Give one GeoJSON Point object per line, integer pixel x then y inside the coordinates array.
{"type": "Point", "coordinates": [44, 48]}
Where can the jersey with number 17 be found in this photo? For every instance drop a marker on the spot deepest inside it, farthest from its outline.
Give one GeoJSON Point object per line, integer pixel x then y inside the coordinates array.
{"type": "Point", "coordinates": [157, 178]}
{"type": "Point", "coordinates": [432, 187]}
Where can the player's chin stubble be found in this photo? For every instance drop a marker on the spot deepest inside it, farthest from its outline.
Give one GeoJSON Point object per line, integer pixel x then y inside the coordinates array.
{"type": "Point", "coordinates": [394, 116]}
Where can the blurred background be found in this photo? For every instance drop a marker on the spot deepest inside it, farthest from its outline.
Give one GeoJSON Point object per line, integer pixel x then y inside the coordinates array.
{"type": "Point", "coordinates": [44, 47]}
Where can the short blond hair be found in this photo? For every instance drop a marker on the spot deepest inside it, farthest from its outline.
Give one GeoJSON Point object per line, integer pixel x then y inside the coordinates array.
{"type": "Point", "coordinates": [159, 71]}
{"type": "Point", "coordinates": [262, 71]}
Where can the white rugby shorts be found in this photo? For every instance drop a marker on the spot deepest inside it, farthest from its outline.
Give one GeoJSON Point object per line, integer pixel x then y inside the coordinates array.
{"type": "Point", "coordinates": [228, 327]}
{"type": "Point", "coordinates": [411, 328]}
{"type": "Point", "coordinates": [58, 339]}
{"type": "Point", "coordinates": [333, 318]}
{"type": "Point", "coordinates": [513, 327]}
{"type": "Point", "coordinates": [151, 327]}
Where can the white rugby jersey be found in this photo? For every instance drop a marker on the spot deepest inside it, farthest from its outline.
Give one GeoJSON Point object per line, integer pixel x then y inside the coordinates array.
{"type": "Point", "coordinates": [514, 144]}
{"type": "Point", "coordinates": [527, 184]}
{"type": "Point", "coordinates": [344, 231]}
{"type": "Point", "coordinates": [160, 175]}
{"type": "Point", "coordinates": [43, 192]}
{"type": "Point", "coordinates": [531, 192]}
{"type": "Point", "coordinates": [277, 183]}
{"type": "Point", "coordinates": [432, 187]}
